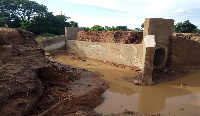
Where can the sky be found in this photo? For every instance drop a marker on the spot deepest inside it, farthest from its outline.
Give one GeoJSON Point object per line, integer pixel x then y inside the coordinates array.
{"type": "Point", "coordinates": [130, 13]}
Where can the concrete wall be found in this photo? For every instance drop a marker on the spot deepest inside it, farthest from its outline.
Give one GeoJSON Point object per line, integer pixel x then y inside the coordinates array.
{"type": "Point", "coordinates": [52, 43]}
{"type": "Point", "coordinates": [185, 53]}
{"type": "Point", "coordinates": [148, 58]}
{"type": "Point", "coordinates": [157, 33]}
{"type": "Point", "coordinates": [127, 54]}
{"type": "Point", "coordinates": [71, 32]}
{"type": "Point", "coordinates": [163, 30]}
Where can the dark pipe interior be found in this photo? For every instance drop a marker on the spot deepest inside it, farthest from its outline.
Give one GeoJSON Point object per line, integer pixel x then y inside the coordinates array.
{"type": "Point", "coordinates": [159, 57]}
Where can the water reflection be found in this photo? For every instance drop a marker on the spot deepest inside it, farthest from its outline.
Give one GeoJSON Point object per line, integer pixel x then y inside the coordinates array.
{"type": "Point", "coordinates": [169, 98]}
{"type": "Point", "coordinates": [116, 103]}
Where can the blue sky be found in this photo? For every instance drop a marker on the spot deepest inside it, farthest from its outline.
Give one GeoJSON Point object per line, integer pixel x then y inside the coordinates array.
{"type": "Point", "coordinates": [131, 13]}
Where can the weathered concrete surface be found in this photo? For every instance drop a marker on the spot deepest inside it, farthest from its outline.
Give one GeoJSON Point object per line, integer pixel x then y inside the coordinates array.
{"type": "Point", "coordinates": [127, 54]}
{"type": "Point", "coordinates": [52, 43]}
{"type": "Point", "coordinates": [148, 57]}
{"type": "Point", "coordinates": [185, 53]}
{"type": "Point", "coordinates": [124, 37]}
{"type": "Point", "coordinates": [155, 47]}
{"type": "Point", "coordinates": [163, 30]}
{"type": "Point", "coordinates": [71, 32]}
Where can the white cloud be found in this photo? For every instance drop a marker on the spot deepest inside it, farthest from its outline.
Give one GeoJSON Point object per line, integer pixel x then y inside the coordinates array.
{"type": "Point", "coordinates": [140, 5]}
{"type": "Point", "coordinates": [107, 21]}
{"type": "Point", "coordinates": [99, 3]}
{"type": "Point", "coordinates": [178, 11]}
{"type": "Point", "coordinates": [182, 11]}
{"type": "Point", "coordinates": [137, 11]}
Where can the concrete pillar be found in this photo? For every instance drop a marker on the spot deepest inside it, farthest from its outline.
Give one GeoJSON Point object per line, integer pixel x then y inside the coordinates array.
{"type": "Point", "coordinates": [156, 35]}
{"type": "Point", "coordinates": [148, 53]}
{"type": "Point", "coordinates": [71, 34]}
{"type": "Point", "coordinates": [163, 30]}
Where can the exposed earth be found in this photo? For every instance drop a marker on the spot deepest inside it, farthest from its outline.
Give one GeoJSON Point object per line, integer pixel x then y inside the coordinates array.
{"type": "Point", "coordinates": [32, 83]}
{"type": "Point", "coordinates": [124, 37]}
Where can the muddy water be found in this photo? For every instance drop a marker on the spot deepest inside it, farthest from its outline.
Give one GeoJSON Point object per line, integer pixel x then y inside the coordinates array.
{"type": "Point", "coordinates": [168, 98]}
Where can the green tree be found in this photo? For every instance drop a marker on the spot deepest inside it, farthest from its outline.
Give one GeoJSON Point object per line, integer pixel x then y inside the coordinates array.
{"type": "Point", "coordinates": [107, 28]}
{"type": "Point", "coordinates": [197, 31]}
{"type": "Point", "coordinates": [86, 28]}
{"type": "Point", "coordinates": [17, 11]}
{"type": "Point", "coordinates": [185, 27]}
{"type": "Point", "coordinates": [2, 22]}
{"type": "Point", "coordinates": [121, 28]}
{"type": "Point", "coordinates": [49, 24]}
{"type": "Point", "coordinates": [142, 26]}
{"type": "Point", "coordinates": [73, 24]}
{"type": "Point", "coordinates": [97, 28]}
{"type": "Point", "coordinates": [110, 28]}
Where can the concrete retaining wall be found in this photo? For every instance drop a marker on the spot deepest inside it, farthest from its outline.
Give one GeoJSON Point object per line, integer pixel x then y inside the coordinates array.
{"type": "Point", "coordinates": [52, 43]}
{"type": "Point", "coordinates": [71, 32]}
{"type": "Point", "coordinates": [185, 53]}
{"type": "Point", "coordinates": [127, 54]}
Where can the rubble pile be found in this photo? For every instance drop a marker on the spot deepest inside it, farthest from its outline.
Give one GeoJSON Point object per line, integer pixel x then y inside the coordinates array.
{"type": "Point", "coordinates": [124, 37]}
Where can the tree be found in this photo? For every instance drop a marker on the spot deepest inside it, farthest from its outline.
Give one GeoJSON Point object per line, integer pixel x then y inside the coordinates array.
{"type": "Point", "coordinates": [48, 24]}
{"type": "Point", "coordinates": [185, 27]}
{"type": "Point", "coordinates": [86, 28]}
{"type": "Point", "coordinates": [2, 22]}
{"type": "Point", "coordinates": [20, 11]}
{"type": "Point", "coordinates": [121, 28]}
{"type": "Point", "coordinates": [107, 28]}
{"type": "Point", "coordinates": [196, 31]}
{"type": "Point", "coordinates": [142, 26]}
{"type": "Point", "coordinates": [73, 24]}
{"type": "Point", "coordinates": [97, 28]}
{"type": "Point", "coordinates": [110, 28]}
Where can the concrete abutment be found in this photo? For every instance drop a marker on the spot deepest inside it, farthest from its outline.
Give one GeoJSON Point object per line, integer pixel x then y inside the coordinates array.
{"type": "Point", "coordinates": [156, 35]}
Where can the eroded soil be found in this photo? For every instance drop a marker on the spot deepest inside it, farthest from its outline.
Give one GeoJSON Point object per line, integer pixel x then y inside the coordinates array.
{"type": "Point", "coordinates": [175, 96]}
{"type": "Point", "coordinates": [34, 84]}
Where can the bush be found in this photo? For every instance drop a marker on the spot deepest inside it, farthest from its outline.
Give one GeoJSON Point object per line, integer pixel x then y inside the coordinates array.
{"type": "Point", "coordinates": [46, 35]}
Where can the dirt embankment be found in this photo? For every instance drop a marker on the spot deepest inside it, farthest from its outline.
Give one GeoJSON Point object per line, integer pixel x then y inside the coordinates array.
{"type": "Point", "coordinates": [31, 84]}
{"type": "Point", "coordinates": [190, 36]}
{"type": "Point", "coordinates": [125, 37]}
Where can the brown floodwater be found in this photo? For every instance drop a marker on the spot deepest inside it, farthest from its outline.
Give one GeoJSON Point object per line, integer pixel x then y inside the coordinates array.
{"type": "Point", "coordinates": [168, 98]}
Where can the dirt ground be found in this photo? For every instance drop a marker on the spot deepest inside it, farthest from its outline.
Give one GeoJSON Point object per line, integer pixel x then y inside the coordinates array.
{"type": "Point", "coordinates": [124, 37]}
{"type": "Point", "coordinates": [34, 84]}
{"type": "Point", "coordinates": [76, 94]}
{"type": "Point", "coordinates": [190, 36]}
